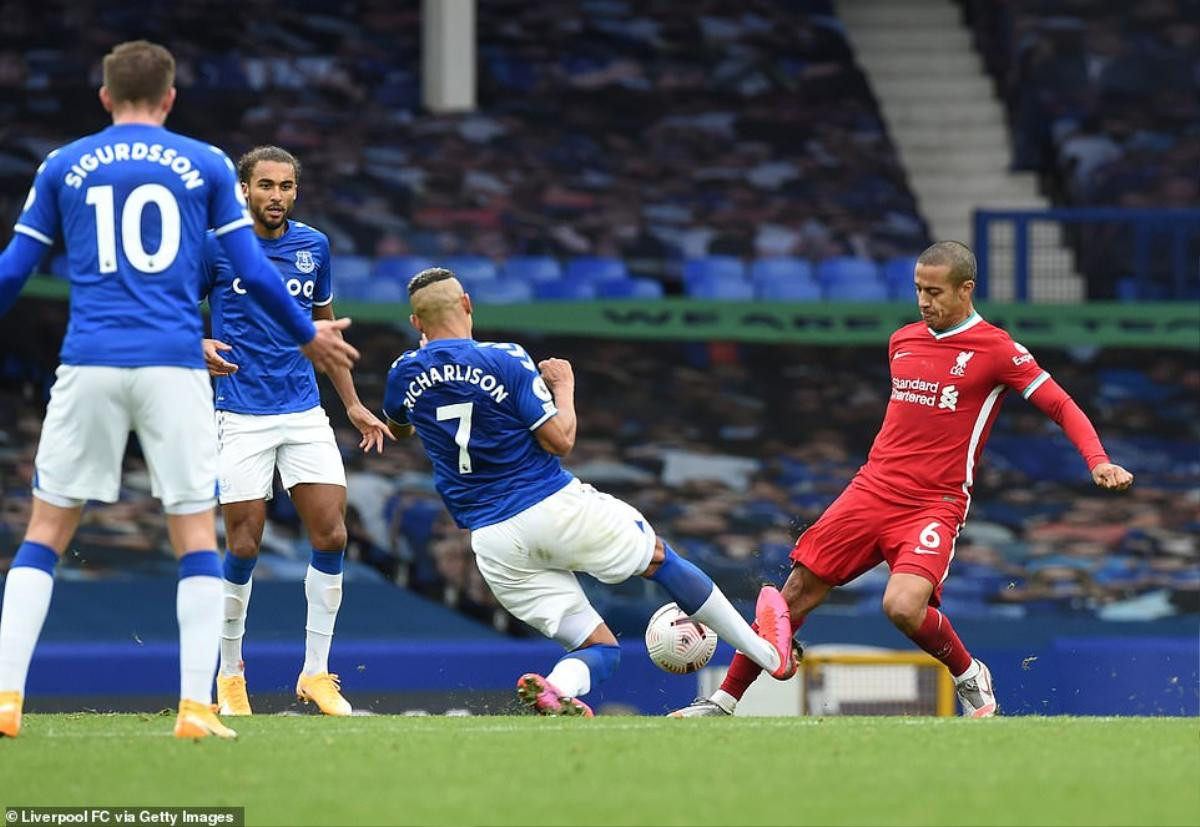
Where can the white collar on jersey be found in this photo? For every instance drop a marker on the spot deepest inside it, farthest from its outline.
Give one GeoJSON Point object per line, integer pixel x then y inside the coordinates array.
{"type": "Point", "coordinates": [965, 324]}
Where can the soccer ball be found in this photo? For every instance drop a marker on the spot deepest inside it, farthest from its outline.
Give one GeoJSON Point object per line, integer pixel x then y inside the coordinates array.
{"type": "Point", "coordinates": [678, 644]}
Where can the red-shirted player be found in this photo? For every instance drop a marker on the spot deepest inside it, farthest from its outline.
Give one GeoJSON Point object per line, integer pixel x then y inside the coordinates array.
{"type": "Point", "coordinates": [908, 503]}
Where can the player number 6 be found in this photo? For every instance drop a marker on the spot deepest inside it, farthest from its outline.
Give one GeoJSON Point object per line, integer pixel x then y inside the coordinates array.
{"type": "Point", "coordinates": [929, 537]}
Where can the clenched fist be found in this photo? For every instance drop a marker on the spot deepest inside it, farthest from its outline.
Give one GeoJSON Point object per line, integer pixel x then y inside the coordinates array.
{"type": "Point", "coordinates": [557, 373]}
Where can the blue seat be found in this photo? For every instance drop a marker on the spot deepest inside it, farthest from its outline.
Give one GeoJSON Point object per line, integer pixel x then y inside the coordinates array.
{"type": "Point", "coordinates": [352, 290]}
{"type": "Point", "coordinates": [564, 291]}
{"type": "Point", "coordinates": [350, 268]}
{"type": "Point", "coordinates": [471, 268]}
{"type": "Point", "coordinates": [630, 289]}
{"type": "Point", "coordinates": [898, 274]}
{"type": "Point", "coordinates": [596, 269]}
{"type": "Point", "coordinates": [726, 267]}
{"type": "Point", "coordinates": [1133, 289]}
{"type": "Point", "coordinates": [865, 290]}
{"type": "Point", "coordinates": [400, 268]}
{"type": "Point", "coordinates": [846, 268]}
{"type": "Point", "coordinates": [726, 288]}
{"type": "Point", "coordinates": [532, 268]}
{"type": "Point", "coordinates": [386, 290]}
{"type": "Point", "coordinates": [789, 290]}
{"type": "Point", "coordinates": [503, 291]}
{"type": "Point", "coordinates": [781, 268]}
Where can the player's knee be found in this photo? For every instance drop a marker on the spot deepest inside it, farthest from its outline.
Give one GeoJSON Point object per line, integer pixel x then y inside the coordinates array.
{"type": "Point", "coordinates": [904, 609]}
{"type": "Point", "coordinates": [330, 538]}
{"type": "Point", "coordinates": [242, 545]}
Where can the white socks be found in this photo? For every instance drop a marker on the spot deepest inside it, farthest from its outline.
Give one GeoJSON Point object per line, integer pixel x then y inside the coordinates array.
{"type": "Point", "coordinates": [198, 609]}
{"type": "Point", "coordinates": [724, 700]}
{"type": "Point", "coordinates": [233, 627]}
{"type": "Point", "coordinates": [26, 600]}
{"type": "Point", "coordinates": [972, 671]}
{"type": "Point", "coordinates": [571, 677]}
{"type": "Point", "coordinates": [324, 593]}
{"type": "Point", "coordinates": [718, 614]}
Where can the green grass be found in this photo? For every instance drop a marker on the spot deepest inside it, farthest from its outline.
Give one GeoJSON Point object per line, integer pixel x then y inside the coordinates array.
{"type": "Point", "coordinates": [619, 770]}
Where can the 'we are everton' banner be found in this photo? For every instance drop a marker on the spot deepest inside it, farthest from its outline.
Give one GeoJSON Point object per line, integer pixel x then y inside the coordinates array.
{"type": "Point", "coordinates": [1158, 324]}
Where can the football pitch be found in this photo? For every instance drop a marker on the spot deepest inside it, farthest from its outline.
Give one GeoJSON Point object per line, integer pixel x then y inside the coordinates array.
{"type": "Point", "coordinates": [621, 770]}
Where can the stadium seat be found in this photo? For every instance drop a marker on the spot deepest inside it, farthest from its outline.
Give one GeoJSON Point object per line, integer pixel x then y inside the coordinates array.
{"type": "Point", "coordinates": [564, 291]}
{"type": "Point", "coordinates": [726, 267]}
{"type": "Point", "coordinates": [532, 269]}
{"type": "Point", "coordinates": [630, 289]}
{"type": "Point", "coordinates": [503, 291]}
{"type": "Point", "coordinates": [846, 268]}
{"type": "Point", "coordinates": [596, 269]}
{"type": "Point", "coordinates": [789, 290]}
{"type": "Point", "coordinates": [781, 268]}
{"type": "Point", "coordinates": [350, 268]}
{"type": "Point", "coordinates": [1133, 289]}
{"type": "Point", "coordinates": [857, 291]}
{"type": "Point", "coordinates": [729, 288]}
{"type": "Point", "coordinates": [351, 290]}
{"type": "Point", "coordinates": [400, 268]}
{"type": "Point", "coordinates": [475, 269]}
{"type": "Point", "coordinates": [898, 274]}
{"type": "Point", "coordinates": [386, 290]}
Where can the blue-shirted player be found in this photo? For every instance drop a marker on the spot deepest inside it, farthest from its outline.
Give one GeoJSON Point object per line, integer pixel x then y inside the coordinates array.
{"type": "Point", "coordinates": [134, 202]}
{"type": "Point", "coordinates": [494, 425]}
{"type": "Point", "coordinates": [269, 416]}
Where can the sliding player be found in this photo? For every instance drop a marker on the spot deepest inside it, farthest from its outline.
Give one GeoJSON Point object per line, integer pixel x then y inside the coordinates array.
{"type": "Point", "coordinates": [494, 425]}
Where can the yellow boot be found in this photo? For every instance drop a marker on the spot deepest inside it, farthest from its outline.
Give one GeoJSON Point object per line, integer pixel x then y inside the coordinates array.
{"type": "Point", "coordinates": [231, 695]}
{"type": "Point", "coordinates": [10, 714]}
{"type": "Point", "coordinates": [324, 690]}
{"type": "Point", "coordinates": [197, 720]}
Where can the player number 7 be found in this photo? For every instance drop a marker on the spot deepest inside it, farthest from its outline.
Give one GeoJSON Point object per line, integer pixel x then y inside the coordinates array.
{"type": "Point", "coordinates": [462, 437]}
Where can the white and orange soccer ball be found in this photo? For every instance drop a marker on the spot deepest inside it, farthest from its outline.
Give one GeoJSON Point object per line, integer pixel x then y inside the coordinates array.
{"type": "Point", "coordinates": [678, 644]}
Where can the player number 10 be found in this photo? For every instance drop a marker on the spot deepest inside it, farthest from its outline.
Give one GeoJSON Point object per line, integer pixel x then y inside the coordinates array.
{"type": "Point", "coordinates": [131, 227]}
{"type": "Point", "coordinates": [462, 437]}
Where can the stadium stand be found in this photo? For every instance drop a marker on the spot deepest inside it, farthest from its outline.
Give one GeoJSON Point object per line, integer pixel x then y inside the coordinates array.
{"type": "Point", "coordinates": [645, 134]}
{"type": "Point", "coordinates": [1104, 102]}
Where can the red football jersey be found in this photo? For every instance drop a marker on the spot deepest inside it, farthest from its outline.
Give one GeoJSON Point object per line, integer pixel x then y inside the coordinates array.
{"type": "Point", "coordinates": [946, 393]}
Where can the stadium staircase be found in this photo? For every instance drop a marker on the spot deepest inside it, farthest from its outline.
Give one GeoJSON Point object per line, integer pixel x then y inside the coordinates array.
{"type": "Point", "coordinates": [950, 130]}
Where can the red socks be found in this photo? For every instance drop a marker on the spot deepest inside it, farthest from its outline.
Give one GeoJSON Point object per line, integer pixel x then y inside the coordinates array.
{"type": "Point", "coordinates": [937, 637]}
{"type": "Point", "coordinates": [743, 671]}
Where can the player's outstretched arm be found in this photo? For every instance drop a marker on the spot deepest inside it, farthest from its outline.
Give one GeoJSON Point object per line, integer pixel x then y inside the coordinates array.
{"type": "Point", "coordinates": [16, 265]}
{"type": "Point", "coordinates": [321, 342]}
{"type": "Point", "coordinates": [372, 429]}
{"type": "Point", "coordinates": [557, 434]}
{"type": "Point", "coordinates": [1057, 404]}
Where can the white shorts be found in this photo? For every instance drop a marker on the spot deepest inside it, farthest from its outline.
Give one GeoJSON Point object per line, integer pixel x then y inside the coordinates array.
{"type": "Point", "coordinates": [251, 446]}
{"type": "Point", "coordinates": [91, 412]}
{"type": "Point", "coordinates": [530, 560]}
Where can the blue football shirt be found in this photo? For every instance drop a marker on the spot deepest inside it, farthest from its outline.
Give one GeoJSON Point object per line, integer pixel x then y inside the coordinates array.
{"type": "Point", "coordinates": [273, 376]}
{"type": "Point", "coordinates": [475, 406]}
{"type": "Point", "coordinates": [134, 202]}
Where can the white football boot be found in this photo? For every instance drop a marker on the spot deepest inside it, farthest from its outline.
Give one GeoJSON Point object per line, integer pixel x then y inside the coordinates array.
{"type": "Point", "coordinates": [976, 694]}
